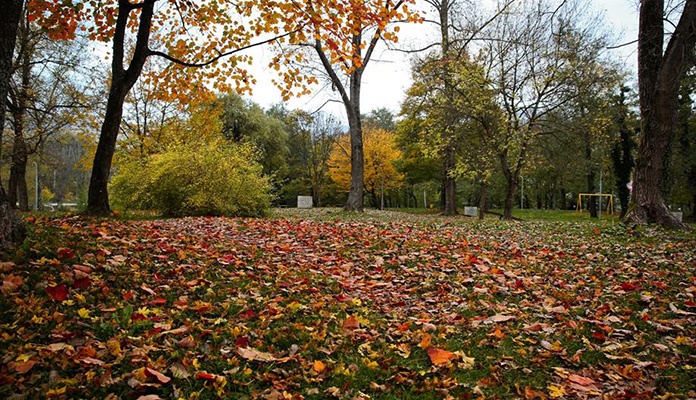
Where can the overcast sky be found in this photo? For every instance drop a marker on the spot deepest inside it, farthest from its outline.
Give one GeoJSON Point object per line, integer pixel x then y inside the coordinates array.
{"type": "Point", "coordinates": [387, 77]}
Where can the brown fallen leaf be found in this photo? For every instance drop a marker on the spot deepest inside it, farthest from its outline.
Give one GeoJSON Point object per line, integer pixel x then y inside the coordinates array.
{"type": "Point", "coordinates": [499, 318]}
{"type": "Point", "coordinates": [160, 377]}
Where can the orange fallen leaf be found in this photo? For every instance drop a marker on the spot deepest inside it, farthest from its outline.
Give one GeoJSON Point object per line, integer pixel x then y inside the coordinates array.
{"type": "Point", "coordinates": [425, 342]}
{"type": "Point", "coordinates": [351, 323]}
{"type": "Point", "coordinates": [22, 367]}
{"type": "Point", "coordinates": [318, 366]}
{"type": "Point", "coordinates": [439, 356]}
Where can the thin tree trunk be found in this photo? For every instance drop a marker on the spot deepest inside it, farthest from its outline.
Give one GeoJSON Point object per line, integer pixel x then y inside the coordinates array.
{"type": "Point", "coordinates": [483, 201]}
{"type": "Point", "coordinates": [450, 183]}
{"type": "Point", "coordinates": [12, 229]}
{"type": "Point", "coordinates": [659, 77]}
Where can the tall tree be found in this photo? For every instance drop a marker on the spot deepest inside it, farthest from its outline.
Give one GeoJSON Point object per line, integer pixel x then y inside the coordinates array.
{"type": "Point", "coordinates": [659, 75]}
{"type": "Point", "coordinates": [44, 98]}
{"type": "Point", "coordinates": [344, 38]}
{"type": "Point", "coordinates": [537, 54]}
{"type": "Point", "coordinates": [190, 35]}
{"type": "Point", "coordinates": [622, 152]}
{"type": "Point", "coordinates": [11, 227]}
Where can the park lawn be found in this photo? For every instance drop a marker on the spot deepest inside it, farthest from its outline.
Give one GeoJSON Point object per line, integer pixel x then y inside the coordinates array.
{"type": "Point", "coordinates": [323, 304]}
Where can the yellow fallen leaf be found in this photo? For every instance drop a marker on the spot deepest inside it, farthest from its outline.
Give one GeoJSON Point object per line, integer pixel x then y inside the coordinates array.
{"type": "Point", "coordinates": [83, 313]}
{"type": "Point", "coordinates": [556, 391]}
{"type": "Point", "coordinates": [114, 347]}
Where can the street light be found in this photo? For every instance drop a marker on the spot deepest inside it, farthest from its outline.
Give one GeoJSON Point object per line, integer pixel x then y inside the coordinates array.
{"type": "Point", "coordinates": [36, 185]}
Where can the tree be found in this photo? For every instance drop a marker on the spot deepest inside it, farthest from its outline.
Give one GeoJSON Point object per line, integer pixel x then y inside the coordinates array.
{"type": "Point", "coordinates": [310, 139]}
{"type": "Point", "coordinates": [246, 122]}
{"type": "Point", "coordinates": [659, 75]}
{"type": "Point", "coordinates": [536, 55]}
{"type": "Point", "coordinates": [191, 35]}
{"type": "Point", "coordinates": [381, 155]}
{"type": "Point", "coordinates": [11, 228]}
{"type": "Point", "coordinates": [44, 98]}
{"type": "Point", "coordinates": [622, 152]}
{"type": "Point", "coordinates": [452, 109]}
{"type": "Point", "coordinates": [344, 38]}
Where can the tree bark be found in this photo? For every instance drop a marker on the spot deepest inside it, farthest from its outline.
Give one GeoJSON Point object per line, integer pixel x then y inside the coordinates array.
{"type": "Point", "coordinates": [12, 229]}
{"type": "Point", "coordinates": [122, 80]}
{"type": "Point", "coordinates": [17, 186]}
{"type": "Point", "coordinates": [622, 157]}
{"type": "Point", "coordinates": [357, 154]}
{"type": "Point", "coordinates": [659, 76]}
{"type": "Point", "coordinates": [450, 183]}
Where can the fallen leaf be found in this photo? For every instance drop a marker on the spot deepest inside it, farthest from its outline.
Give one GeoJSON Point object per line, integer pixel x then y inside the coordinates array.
{"type": "Point", "coordinates": [160, 377]}
{"type": "Point", "coordinates": [439, 356]}
{"type": "Point", "coordinates": [57, 292]}
{"type": "Point", "coordinates": [499, 318]}
{"type": "Point", "coordinates": [318, 366]}
{"type": "Point", "coordinates": [351, 323]}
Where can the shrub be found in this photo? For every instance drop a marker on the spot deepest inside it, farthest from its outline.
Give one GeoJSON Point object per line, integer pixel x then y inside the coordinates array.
{"type": "Point", "coordinates": [214, 178]}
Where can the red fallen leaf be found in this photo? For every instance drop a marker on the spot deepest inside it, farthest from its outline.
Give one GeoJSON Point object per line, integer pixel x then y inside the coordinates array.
{"type": "Point", "coordinates": [82, 283]}
{"type": "Point", "coordinates": [128, 295]}
{"type": "Point", "coordinates": [247, 314]}
{"type": "Point", "coordinates": [242, 341]}
{"type": "Point", "coordinates": [439, 356]}
{"type": "Point", "coordinates": [202, 375]}
{"type": "Point", "coordinates": [58, 292]}
{"type": "Point", "coordinates": [599, 335]}
{"type": "Point", "coordinates": [65, 253]}
{"type": "Point", "coordinates": [351, 323]}
{"type": "Point", "coordinates": [690, 303]}
{"type": "Point", "coordinates": [629, 286]}
{"type": "Point", "coordinates": [158, 302]}
{"type": "Point", "coordinates": [160, 377]}
{"type": "Point", "coordinates": [136, 317]}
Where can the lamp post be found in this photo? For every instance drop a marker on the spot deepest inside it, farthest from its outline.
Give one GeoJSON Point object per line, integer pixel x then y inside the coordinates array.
{"type": "Point", "coordinates": [36, 185]}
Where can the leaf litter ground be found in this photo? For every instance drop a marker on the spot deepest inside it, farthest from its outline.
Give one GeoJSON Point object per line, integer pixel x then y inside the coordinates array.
{"type": "Point", "coordinates": [378, 306]}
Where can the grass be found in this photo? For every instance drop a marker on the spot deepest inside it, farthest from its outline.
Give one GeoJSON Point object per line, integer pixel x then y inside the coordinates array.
{"type": "Point", "coordinates": [321, 304]}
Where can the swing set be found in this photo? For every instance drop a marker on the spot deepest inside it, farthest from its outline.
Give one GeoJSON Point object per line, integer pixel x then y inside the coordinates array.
{"type": "Point", "coordinates": [610, 205]}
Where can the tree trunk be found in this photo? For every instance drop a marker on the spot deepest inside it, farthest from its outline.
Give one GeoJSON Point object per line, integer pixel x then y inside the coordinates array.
{"type": "Point", "coordinates": [122, 80]}
{"type": "Point", "coordinates": [357, 155]}
{"type": "Point", "coordinates": [17, 186]}
{"type": "Point", "coordinates": [12, 230]}
{"type": "Point", "coordinates": [98, 197]}
{"type": "Point", "coordinates": [512, 177]}
{"type": "Point", "coordinates": [659, 77]}
{"type": "Point", "coordinates": [483, 200]}
{"type": "Point", "coordinates": [450, 183]}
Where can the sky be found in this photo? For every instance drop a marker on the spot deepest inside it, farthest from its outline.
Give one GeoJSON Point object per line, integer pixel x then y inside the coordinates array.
{"type": "Point", "coordinates": [387, 77]}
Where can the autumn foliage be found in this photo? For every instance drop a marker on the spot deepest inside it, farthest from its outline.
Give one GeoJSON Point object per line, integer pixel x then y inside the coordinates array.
{"type": "Point", "coordinates": [390, 307]}
{"type": "Point", "coordinates": [381, 156]}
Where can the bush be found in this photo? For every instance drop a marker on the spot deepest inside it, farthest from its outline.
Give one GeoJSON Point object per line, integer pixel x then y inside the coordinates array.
{"type": "Point", "coordinates": [215, 178]}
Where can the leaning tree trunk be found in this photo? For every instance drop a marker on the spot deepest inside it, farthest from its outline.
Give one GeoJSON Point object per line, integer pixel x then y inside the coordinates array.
{"type": "Point", "coordinates": [659, 77]}
{"type": "Point", "coordinates": [98, 197]}
{"type": "Point", "coordinates": [122, 80]}
{"type": "Point", "coordinates": [11, 227]}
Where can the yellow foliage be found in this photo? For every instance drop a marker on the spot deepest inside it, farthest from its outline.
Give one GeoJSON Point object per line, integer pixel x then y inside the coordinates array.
{"type": "Point", "coordinates": [380, 154]}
